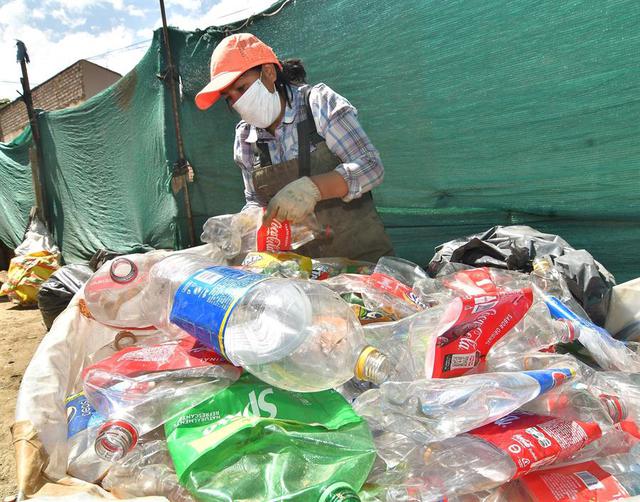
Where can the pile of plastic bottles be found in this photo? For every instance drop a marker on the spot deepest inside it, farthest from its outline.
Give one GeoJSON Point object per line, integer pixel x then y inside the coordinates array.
{"type": "Point", "coordinates": [286, 378]}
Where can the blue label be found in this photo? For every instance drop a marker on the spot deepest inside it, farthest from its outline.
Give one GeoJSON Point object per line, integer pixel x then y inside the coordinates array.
{"type": "Point", "coordinates": [203, 303]}
{"type": "Point", "coordinates": [548, 379]}
{"type": "Point", "coordinates": [559, 310]}
{"type": "Point", "coordinates": [80, 415]}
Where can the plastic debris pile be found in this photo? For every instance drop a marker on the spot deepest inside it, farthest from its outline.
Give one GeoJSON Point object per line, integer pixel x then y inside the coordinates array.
{"type": "Point", "coordinates": [226, 373]}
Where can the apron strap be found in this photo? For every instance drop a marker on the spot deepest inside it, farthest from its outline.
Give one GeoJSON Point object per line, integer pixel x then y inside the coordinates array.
{"type": "Point", "coordinates": [307, 135]}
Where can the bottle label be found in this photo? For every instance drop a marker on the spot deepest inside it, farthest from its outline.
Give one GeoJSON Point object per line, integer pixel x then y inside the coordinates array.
{"type": "Point", "coordinates": [250, 417]}
{"type": "Point", "coordinates": [548, 379]}
{"type": "Point", "coordinates": [80, 414]}
{"type": "Point", "coordinates": [180, 355]}
{"type": "Point", "coordinates": [204, 302]}
{"type": "Point", "coordinates": [276, 236]}
{"type": "Point", "coordinates": [472, 325]}
{"type": "Point", "coordinates": [584, 482]}
{"type": "Point", "coordinates": [533, 441]}
{"type": "Point", "coordinates": [394, 287]}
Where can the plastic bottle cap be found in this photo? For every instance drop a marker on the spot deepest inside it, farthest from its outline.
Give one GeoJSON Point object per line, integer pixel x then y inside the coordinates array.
{"type": "Point", "coordinates": [123, 270]}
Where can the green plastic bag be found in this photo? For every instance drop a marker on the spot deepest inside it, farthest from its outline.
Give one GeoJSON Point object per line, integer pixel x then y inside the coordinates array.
{"type": "Point", "coordinates": [255, 442]}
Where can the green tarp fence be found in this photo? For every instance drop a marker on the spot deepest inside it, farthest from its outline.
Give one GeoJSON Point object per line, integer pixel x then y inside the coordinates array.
{"type": "Point", "coordinates": [485, 113]}
{"type": "Point", "coordinates": [16, 188]}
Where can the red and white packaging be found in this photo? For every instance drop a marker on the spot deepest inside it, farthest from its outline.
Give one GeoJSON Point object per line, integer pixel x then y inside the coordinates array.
{"type": "Point", "coordinates": [475, 281]}
{"type": "Point", "coordinates": [470, 326]}
{"type": "Point", "coordinates": [533, 441]}
{"type": "Point", "coordinates": [274, 237]}
{"type": "Point", "coordinates": [179, 355]}
{"type": "Point", "coordinates": [584, 482]}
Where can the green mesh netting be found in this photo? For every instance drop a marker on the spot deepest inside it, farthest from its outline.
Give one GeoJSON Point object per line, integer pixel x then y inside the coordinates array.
{"type": "Point", "coordinates": [485, 113]}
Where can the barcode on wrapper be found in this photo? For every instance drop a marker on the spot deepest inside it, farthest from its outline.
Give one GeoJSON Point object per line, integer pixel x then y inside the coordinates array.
{"type": "Point", "coordinates": [589, 480]}
{"type": "Point", "coordinates": [462, 361]}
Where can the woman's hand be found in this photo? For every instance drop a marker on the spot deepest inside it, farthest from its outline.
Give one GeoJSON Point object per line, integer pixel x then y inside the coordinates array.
{"type": "Point", "coordinates": [294, 201]}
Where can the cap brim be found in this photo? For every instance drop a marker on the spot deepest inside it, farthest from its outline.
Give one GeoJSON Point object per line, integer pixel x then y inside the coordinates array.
{"type": "Point", "coordinates": [211, 92]}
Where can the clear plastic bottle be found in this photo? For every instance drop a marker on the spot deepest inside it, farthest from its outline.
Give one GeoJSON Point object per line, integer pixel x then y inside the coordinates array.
{"type": "Point", "coordinates": [296, 335]}
{"type": "Point", "coordinates": [147, 471]}
{"type": "Point", "coordinates": [83, 422]}
{"type": "Point", "coordinates": [140, 388]}
{"type": "Point", "coordinates": [434, 410]}
{"type": "Point", "coordinates": [536, 331]}
{"type": "Point", "coordinates": [243, 232]}
{"type": "Point", "coordinates": [332, 352]}
{"type": "Point", "coordinates": [581, 402]}
{"type": "Point", "coordinates": [112, 295]}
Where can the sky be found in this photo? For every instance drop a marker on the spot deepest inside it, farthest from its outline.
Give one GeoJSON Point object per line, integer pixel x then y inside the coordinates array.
{"type": "Point", "coordinates": [111, 33]}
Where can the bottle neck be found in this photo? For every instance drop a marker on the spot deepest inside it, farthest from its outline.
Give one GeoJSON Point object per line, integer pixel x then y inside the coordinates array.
{"type": "Point", "coordinates": [372, 366]}
{"type": "Point", "coordinates": [339, 492]}
{"type": "Point", "coordinates": [615, 406]}
{"type": "Point", "coordinates": [115, 439]}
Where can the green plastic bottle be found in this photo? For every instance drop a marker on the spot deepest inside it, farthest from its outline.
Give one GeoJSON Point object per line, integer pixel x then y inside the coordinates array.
{"type": "Point", "coordinates": [252, 441]}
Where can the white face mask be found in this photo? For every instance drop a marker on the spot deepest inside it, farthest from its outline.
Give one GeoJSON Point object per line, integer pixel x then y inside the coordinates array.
{"type": "Point", "coordinates": [257, 106]}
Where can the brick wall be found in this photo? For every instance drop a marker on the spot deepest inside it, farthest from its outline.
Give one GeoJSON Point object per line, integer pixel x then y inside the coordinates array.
{"type": "Point", "coordinates": [61, 91]}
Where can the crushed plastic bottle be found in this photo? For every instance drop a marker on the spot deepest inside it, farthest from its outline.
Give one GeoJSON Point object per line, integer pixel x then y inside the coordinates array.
{"type": "Point", "coordinates": [140, 388]}
{"type": "Point", "coordinates": [483, 458]}
{"type": "Point", "coordinates": [434, 410]}
{"type": "Point", "coordinates": [609, 353]}
{"type": "Point", "coordinates": [243, 232]}
{"type": "Point", "coordinates": [450, 339]}
{"type": "Point", "coordinates": [296, 335]}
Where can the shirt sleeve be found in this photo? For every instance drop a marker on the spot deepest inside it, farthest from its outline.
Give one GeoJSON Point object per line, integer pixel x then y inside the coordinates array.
{"type": "Point", "coordinates": [243, 157]}
{"type": "Point", "coordinates": [337, 122]}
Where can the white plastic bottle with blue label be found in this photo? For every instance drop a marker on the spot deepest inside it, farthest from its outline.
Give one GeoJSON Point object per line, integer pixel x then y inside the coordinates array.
{"type": "Point", "coordinates": [296, 335]}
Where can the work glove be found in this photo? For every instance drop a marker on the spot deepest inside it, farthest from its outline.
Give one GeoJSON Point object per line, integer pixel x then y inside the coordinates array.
{"type": "Point", "coordinates": [294, 201]}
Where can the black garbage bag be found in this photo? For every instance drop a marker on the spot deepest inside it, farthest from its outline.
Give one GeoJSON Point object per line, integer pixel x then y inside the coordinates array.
{"type": "Point", "coordinates": [514, 248]}
{"type": "Point", "coordinates": [56, 292]}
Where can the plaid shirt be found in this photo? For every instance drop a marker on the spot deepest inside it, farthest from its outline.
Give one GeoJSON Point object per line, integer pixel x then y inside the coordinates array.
{"type": "Point", "coordinates": [336, 121]}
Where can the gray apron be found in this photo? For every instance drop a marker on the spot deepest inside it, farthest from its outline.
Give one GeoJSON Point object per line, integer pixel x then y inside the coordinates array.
{"type": "Point", "coordinates": [358, 232]}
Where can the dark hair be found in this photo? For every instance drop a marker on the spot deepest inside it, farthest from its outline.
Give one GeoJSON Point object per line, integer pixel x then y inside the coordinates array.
{"type": "Point", "coordinates": [292, 73]}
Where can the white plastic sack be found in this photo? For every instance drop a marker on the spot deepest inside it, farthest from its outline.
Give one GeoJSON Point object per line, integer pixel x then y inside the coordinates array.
{"type": "Point", "coordinates": [624, 307]}
{"type": "Point", "coordinates": [37, 238]}
{"type": "Point", "coordinates": [54, 374]}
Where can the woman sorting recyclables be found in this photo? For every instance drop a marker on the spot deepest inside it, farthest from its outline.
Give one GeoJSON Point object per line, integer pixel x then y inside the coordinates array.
{"type": "Point", "coordinates": [300, 148]}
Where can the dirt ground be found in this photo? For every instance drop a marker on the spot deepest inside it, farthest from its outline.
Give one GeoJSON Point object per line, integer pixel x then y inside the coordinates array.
{"type": "Point", "coordinates": [20, 333]}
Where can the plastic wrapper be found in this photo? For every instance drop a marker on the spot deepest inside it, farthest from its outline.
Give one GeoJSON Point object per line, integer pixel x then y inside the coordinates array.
{"type": "Point", "coordinates": [326, 268]}
{"type": "Point", "coordinates": [27, 273]}
{"type": "Point", "coordinates": [289, 265]}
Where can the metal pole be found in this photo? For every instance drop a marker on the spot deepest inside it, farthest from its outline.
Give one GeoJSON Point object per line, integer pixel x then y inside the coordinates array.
{"type": "Point", "coordinates": [36, 159]}
{"type": "Point", "coordinates": [182, 167]}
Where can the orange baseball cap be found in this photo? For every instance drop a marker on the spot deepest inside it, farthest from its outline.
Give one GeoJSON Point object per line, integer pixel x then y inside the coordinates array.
{"type": "Point", "coordinates": [233, 56]}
